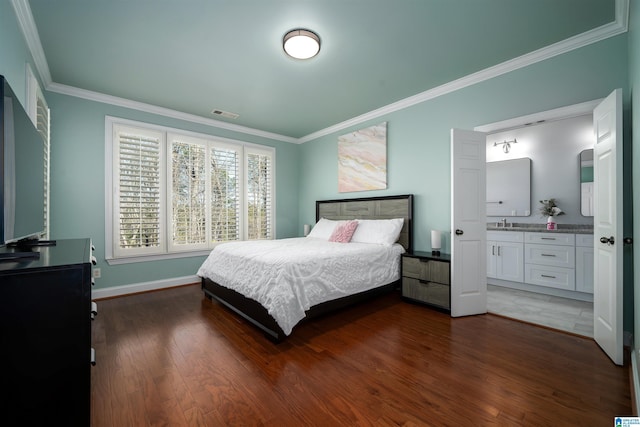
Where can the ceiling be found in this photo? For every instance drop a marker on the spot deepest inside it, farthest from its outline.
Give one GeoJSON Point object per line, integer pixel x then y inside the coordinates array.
{"type": "Point", "coordinates": [194, 56]}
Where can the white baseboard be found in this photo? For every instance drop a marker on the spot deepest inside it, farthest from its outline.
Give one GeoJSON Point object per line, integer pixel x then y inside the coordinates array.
{"type": "Point", "coordinates": [117, 291]}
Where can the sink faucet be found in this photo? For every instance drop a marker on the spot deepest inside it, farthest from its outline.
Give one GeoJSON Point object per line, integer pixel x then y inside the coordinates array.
{"type": "Point", "coordinates": [504, 222]}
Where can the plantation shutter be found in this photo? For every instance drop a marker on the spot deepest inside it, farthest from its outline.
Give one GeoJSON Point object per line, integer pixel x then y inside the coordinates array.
{"type": "Point", "coordinates": [42, 124]}
{"type": "Point", "coordinates": [139, 198]}
{"type": "Point", "coordinates": [188, 193]}
{"type": "Point", "coordinates": [38, 111]}
{"type": "Point", "coordinates": [259, 195]}
{"type": "Point", "coordinates": [179, 192]}
{"type": "Point", "coordinates": [225, 194]}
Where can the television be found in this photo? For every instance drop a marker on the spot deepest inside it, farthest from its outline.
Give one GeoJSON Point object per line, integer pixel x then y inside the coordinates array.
{"type": "Point", "coordinates": [22, 189]}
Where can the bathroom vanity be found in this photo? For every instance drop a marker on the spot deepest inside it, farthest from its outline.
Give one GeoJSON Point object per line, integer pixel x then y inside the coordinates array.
{"type": "Point", "coordinates": [528, 257]}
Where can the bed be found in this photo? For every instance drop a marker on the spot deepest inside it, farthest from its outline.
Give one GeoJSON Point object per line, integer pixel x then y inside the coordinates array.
{"type": "Point", "coordinates": [327, 269]}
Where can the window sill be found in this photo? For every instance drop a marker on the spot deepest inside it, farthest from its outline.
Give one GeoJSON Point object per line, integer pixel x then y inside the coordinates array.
{"type": "Point", "coordinates": [159, 257]}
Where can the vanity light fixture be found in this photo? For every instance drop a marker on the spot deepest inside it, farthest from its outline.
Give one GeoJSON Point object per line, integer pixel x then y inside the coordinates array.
{"type": "Point", "coordinates": [301, 43]}
{"type": "Point", "coordinates": [506, 145]}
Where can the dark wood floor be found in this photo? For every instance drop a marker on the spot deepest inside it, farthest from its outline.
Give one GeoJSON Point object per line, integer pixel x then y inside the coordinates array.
{"type": "Point", "coordinates": [174, 358]}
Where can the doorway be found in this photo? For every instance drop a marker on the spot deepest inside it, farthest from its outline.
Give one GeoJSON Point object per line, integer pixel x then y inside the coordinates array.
{"type": "Point", "coordinates": [468, 159]}
{"type": "Point", "coordinates": [552, 142]}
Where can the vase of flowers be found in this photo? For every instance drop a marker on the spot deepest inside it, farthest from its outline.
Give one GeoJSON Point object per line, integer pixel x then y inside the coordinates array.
{"type": "Point", "coordinates": [550, 210]}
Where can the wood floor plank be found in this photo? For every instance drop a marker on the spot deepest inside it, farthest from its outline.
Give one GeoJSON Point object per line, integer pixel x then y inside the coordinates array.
{"type": "Point", "coordinates": [175, 358]}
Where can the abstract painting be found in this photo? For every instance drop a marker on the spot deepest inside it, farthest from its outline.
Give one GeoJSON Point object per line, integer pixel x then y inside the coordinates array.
{"type": "Point", "coordinates": [362, 159]}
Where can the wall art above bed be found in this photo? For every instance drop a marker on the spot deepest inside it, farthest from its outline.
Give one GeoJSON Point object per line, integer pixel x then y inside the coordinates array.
{"type": "Point", "coordinates": [362, 159]}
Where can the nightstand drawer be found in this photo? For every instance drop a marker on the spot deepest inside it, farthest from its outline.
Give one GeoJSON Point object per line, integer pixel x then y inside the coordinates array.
{"type": "Point", "coordinates": [429, 292]}
{"type": "Point", "coordinates": [425, 269]}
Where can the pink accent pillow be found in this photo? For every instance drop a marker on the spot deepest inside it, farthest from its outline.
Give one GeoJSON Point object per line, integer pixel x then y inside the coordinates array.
{"type": "Point", "coordinates": [343, 232]}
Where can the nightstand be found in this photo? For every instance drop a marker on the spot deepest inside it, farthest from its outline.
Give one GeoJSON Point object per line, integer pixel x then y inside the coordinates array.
{"type": "Point", "coordinates": [425, 279]}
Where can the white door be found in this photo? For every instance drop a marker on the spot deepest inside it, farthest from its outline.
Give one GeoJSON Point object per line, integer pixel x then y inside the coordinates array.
{"type": "Point", "coordinates": [607, 223]}
{"type": "Point", "coordinates": [468, 223]}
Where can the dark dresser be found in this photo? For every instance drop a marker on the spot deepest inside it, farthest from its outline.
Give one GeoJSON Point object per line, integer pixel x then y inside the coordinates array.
{"type": "Point", "coordinates": [45, 336]}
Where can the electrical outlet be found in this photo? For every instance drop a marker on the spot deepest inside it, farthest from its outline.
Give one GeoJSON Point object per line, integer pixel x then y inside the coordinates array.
{"type": "Point", "coordinates": [97, 273]}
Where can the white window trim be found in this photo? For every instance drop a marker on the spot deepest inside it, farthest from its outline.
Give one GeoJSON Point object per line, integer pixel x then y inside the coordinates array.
{"type": "Point", "coordinates": [110, 229]}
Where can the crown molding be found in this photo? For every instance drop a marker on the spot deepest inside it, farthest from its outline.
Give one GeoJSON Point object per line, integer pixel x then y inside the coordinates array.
{"type": "Point", "coordinates": [166, 112]}
{"type": "Point", "coordinates": [30, 32]}
{"type": "Point", "coordinates": [619, 26]}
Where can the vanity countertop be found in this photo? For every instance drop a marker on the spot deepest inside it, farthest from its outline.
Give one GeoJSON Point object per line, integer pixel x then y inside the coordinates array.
{"type": "Point", "coordinates": [542, 228]}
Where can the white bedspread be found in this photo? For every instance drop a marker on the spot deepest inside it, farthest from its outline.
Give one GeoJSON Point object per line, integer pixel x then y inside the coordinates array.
{"type": "Point", "coordinates": [288, 276]}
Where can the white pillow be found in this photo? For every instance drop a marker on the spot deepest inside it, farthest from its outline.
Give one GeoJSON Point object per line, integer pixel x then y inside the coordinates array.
{"type": "Point", "coordinates": [378, 231]}
{"type": "Point", "coordinates": [323, 229]}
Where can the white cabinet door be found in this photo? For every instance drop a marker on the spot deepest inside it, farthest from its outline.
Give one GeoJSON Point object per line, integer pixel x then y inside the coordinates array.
{"type": "Point", "coordinates": [584, 270]}
{"type": "Point", "coordinates": [510, 265]}
{"type": "Point", "coordinates": [492, 259]}
{"type": "Point", "coordinates": [584, 263]}
{"type": "Point", "coordinates": [505, 255]}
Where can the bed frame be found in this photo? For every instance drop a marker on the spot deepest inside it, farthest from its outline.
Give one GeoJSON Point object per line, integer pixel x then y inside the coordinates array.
{"type": "Point", "coordinates": [362, 208]}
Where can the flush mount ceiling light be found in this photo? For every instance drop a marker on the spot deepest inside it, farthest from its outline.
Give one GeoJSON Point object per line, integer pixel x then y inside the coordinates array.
{"type": "Point", "coordinates": [301, 43]}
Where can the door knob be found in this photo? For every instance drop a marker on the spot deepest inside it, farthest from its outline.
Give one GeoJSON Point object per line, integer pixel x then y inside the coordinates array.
{"type": "Point", "coordinates": [607, 240]}
{"type": "Point", "coordinates": [459, 232]}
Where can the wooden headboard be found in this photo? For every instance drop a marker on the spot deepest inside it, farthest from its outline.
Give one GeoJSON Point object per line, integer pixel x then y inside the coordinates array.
{"type": "Point", "coordinates": [384, 207]}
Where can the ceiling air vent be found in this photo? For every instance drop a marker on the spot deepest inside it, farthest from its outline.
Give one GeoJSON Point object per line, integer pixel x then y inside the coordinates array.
{"type": "Point", "coordinates": [225, 114]}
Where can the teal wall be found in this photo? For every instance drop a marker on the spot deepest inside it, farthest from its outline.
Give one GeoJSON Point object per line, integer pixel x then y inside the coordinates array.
{"type": "Point", "coordinates": [634, 87]}
{"type": "Point", "coordinates": [418, 137]}
{"type": "Point", "coordinates": [78, 183]}
{"type": "Point", "coordinates": [14, 53]}
{"type": "Point", "coordinates": [78, 165]}
{"type": "Point", "coordinates": [418, 147]}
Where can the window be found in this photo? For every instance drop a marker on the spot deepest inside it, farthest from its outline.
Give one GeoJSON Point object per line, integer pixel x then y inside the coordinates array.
{"type": "Point", "coordinates": [42, 124]}
{"type": "Point", "coordinates": [202, 192]}
{"type": "Point", "coordinates": [39, 113]}
{"type": "Point", "coordinates": [138, 195]}
{"type": "Point", "coordinates": [258, 195]}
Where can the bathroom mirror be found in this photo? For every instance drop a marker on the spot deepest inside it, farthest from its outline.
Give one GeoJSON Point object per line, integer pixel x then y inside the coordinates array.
{"type": "Point", "coordinates": [586, 182]}
{"type": "Point", "coordinates": [509, 187]}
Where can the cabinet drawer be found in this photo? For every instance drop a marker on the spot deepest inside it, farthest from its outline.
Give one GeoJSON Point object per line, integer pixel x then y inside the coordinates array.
{"type": "Point", "coordinates": [565, 239]}
{"type": "Point", "coordinates": [429, 292]}
{"type": "Point", "coordinates": [584, 240]}
{"type": "Point", "coordinates": [506, 236]}
{"type": "Point", "coordinates": [425, 269]}
{"type": "Point", "coordinates": [553, 277]}
{"type": "Point", "coordinates": [559, 256]}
